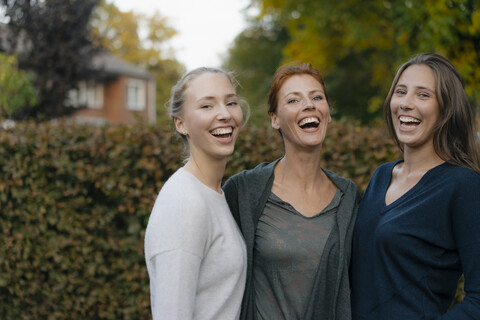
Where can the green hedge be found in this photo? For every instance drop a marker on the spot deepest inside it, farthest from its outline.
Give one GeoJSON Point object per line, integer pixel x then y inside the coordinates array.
{"type": "Point", "coordinates": [75, 201]}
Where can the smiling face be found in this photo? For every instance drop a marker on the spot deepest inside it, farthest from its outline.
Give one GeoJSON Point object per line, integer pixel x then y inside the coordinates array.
{"type": "Point", "coordinates": [211, 116]}
{"type": "Point", "coordinates": [414, 107]}
{"type": "Point", "coordinates": [302, 114]}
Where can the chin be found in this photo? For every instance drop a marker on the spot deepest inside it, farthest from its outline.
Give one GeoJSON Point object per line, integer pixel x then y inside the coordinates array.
{"type": "Point", "coordinates": [225, 153]}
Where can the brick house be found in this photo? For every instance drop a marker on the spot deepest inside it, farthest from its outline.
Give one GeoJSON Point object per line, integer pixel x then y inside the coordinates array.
{"type": "Point", "coordinates": [123, 93]}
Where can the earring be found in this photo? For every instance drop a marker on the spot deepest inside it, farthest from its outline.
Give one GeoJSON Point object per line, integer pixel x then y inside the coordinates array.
{"type": "Point", "coordinates": [184, 133]}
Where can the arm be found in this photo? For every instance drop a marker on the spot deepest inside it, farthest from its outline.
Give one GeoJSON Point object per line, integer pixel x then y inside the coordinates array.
{"type": "Point", "coordinates": [466, 225]}
{"type": "Point", "coordinates": [174, 280]}
{"type": "Point", "coordinates": [175, 243]}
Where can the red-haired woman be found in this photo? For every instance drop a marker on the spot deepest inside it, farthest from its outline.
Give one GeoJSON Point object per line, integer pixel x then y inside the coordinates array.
{"type": "Point", "coordinates": [297, 217]}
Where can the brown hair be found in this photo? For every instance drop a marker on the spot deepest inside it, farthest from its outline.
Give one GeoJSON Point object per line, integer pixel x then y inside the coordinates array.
{"type": "Point", "coordinates": [454, 136]}
{"type": "Point", "coordinates": [285, 72]}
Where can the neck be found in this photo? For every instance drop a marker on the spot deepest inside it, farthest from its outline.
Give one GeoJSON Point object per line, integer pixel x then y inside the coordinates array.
{"type": "Point", "coordinates": [209, 172]}
{"type": "Point", "coordinates": [421, 159]}
{"type": "Point", "coordinates": [301, 169]}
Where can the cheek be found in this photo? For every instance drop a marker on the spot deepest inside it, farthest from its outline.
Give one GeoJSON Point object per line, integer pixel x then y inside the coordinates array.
{"type": "Point", "coordinates": [326, 110]}
{"type": "Point", "coordinates": [394, 104]}
{"type": "Point", "coordinates": [237, 115]}
{"type": "Point", "coordinates": [435, 111]}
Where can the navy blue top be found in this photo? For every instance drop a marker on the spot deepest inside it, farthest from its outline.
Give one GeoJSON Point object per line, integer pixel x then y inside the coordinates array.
{"type": "Point", "coordinates": [408, 256]}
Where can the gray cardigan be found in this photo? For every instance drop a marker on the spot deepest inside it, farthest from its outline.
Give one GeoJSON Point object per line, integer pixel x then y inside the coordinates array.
{"type": "Point", "coordinates": [247, 193]}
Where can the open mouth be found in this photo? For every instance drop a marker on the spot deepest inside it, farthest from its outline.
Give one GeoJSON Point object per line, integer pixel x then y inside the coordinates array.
{"type": "Point", "coordinates": [222, 132]}
{"type": "Point", "coordinates": [310, 122]}
{"type": "Point", "coordinates": [409, 121]}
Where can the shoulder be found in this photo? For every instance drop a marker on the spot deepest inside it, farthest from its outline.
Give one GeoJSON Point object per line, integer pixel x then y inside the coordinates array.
{"type": "Point", "coordinates": [180, 217]}
{"type": "Point", "coordinates": [351, 195]}
{"type": "Point", "coordinates": [386, 168]}
{"type": "Point", "coordinates": [383, 171]}
{"type": "Point", "coordinates": [180, 197]}
{"type": "Point", "coordinates": [449, 177]}
{"type": "Point", "coordinates": [344, 184]}
{"type": "Point", "coordinates": [260, 174]}
{"type": "Point", "coordinates": [461, 174]}
{"type": "Point", "coordinates": [347, 210]}
{"type": "Point", "coordinates": [461, 179]}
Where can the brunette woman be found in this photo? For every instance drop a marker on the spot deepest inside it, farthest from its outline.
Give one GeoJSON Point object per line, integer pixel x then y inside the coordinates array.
{"type": "Point", "coordinates": [418, 226]}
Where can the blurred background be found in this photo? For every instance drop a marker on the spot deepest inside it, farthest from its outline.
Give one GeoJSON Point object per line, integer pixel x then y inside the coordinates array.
{"type": "Point", "coordinates": [86, 143]}
{"type": "Point", "coordinates": [356, 44]}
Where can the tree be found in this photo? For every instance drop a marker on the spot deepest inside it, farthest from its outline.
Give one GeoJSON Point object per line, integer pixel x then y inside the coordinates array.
{"type": "Point", "coordinates": [139, 39]}
{"type": "Point", "coordinates": [16, 89]}
{"type": "Point", "coordinates": [55, 46]}
{"type": "Point", "coordinates": [253, 57]}
{"type": "Point", "coordinates": [361, 43]}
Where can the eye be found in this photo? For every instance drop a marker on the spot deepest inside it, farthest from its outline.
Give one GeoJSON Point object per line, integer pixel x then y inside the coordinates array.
{"type": "Point", "coordinates": [232, 103]}
{"type": "Point", "coordinates": [424, 95]}
{"type": "Point", "coordinates": [290, 101]}
{"type": "Point", "coordinates": [318, 98]}
{"type": "Point", "coordinates": [206, 106]}
{"type": "Point", "coordinates": [400, 92]}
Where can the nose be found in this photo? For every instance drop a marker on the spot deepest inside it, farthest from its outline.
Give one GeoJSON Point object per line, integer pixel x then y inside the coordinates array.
{"type": "Point", "coordinates": [223, 113]}
{"type": "Point", "coordinates": [308, 104]}
{"type": "Point", "coordinates": [406, 103]}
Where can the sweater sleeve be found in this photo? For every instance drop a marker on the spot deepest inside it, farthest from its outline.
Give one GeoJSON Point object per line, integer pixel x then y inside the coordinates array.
{"type": "Point", "coordinates": [466, 227]}
{"type": "Point", "coordinates": [175, 278]}
{"type": "Point", "coordinates": [176, 241]}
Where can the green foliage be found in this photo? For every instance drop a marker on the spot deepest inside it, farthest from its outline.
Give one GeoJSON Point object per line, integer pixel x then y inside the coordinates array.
{"type": "Point", "coordinates": [75, 202]}
{"type": "Point", "coordinates": [53, 42]}
{"type": "Point", "coordinates": [16, 88]}
{"type": "Point", "coordinates": [166, 75]}
{"type": "Point", "coordinates": [140, 39]}
{"type": "Point", "coordinates": [359, 44]}
{"type": "Point", "coordinates": [254, 56]}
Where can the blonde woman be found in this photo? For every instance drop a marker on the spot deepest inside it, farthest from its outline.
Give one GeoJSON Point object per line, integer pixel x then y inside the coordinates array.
{"type": "Point", "coordinates": [194, 251]}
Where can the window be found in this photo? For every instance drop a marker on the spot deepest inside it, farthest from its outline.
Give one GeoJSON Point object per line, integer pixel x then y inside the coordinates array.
{"type": "Point", "coordinates": [136, 95]}
{"type": "Point", "coordinates": [88, 94]}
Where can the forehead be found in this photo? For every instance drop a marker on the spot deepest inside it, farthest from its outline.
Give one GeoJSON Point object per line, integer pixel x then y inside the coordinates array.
{"type": "Point", "coordinates": [300, 83]}
{"type": "Point", "coordinates": [418, 75]}
{"type": "Point", "coordinates": [209, 84]}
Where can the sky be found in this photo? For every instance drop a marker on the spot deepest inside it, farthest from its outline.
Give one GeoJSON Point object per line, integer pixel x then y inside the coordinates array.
{"type": "Point", "coordinates": [206, 28]}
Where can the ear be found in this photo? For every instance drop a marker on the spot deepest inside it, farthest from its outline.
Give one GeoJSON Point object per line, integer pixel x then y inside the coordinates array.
{"type": "Point", "coordinates": [274, 121]}
{"type": "Point", "coordinates": [180, 126]}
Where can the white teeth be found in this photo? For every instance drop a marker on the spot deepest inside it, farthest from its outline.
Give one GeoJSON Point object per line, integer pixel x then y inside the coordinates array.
{"type": "Point", "coordinates": [221, 131]}
{"type": "Point", "coordinates": [308, 120]}
{"type": "Point", "coordinates": [409, 119]}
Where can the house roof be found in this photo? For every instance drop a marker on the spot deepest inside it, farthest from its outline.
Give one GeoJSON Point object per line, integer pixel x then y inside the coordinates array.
{"type": "Point", "coordinates": [103, 61]}
{"type": "Point", "coordinates": [111, 65]}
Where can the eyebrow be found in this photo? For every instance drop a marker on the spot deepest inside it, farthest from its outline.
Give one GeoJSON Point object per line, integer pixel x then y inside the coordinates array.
{"type": "Point", "coordinates": [231, 95]}
{"type": "Point", "coordinates": [310, 92]}
{"type": "Point", "coordinates": [416, 87]}
{"type": "Point", "coordinates": [210, 98]}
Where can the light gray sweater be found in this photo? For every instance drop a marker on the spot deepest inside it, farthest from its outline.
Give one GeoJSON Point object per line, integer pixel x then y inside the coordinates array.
{"type": "Point", "coordinates": [195, 253]}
